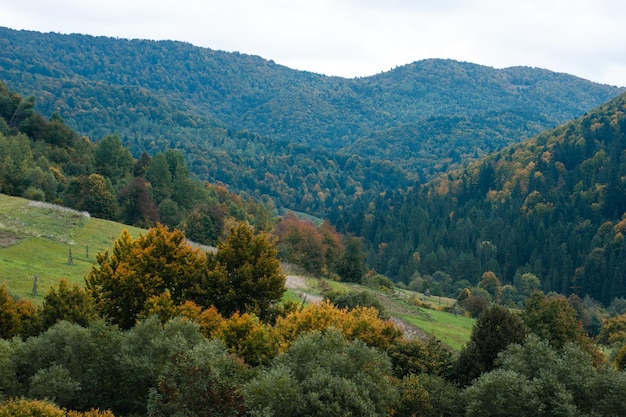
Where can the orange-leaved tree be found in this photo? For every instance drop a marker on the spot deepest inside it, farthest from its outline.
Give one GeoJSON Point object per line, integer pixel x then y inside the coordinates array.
{"type": "Point", "coordinates": [159, 261]}
{"type": "Point", "coordinates": [361, 323]}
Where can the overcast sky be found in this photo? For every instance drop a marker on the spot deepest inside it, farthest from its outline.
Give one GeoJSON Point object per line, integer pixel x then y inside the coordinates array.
{"type": "Point", "coordinates": [353, 38]}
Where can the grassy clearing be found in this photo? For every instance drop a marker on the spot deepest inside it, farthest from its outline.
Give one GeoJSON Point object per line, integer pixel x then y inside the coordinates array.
{"type": "Point", "coordinates": [452, 330]}
{"type": "Point", "coordinates": [37, 240]}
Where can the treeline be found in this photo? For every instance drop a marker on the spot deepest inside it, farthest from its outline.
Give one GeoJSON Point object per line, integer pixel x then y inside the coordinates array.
{"type": "Point", "coordinates": [553, 207]}
{"type": "Point", "coordinates": [46, 160]}
{"type": "Point", "coordinates": [163, 329]}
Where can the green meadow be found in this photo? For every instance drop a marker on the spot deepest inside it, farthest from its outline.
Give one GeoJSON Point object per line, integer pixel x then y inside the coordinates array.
{"type": "Point", "coordinates": [49, 242]}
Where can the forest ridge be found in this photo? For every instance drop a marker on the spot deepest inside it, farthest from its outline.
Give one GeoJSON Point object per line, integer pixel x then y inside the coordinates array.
{"type": "Point", "coordinates": [309, 142]}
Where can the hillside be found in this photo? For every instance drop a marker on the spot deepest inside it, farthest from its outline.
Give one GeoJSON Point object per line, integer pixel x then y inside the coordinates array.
{"type": "Point", "coordinates": [36, 239]}
{"type": "Point", "coordinates": [553, 206]}
{"type": "Point", "coordinates": [311, 143]}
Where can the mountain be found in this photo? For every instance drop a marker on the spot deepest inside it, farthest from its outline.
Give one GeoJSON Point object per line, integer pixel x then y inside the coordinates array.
{"type": "Point", "coordinates": [553, 206]}
{"type": "Point", "coordinates": [309, 142]}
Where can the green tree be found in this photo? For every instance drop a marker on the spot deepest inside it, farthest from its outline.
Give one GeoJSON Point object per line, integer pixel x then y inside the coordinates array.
{"type": "Point", "coordinates": [99, 199]}
{"type": "Point", "coordinates": [495, 329]}
{"type": "Point", "coordinates": [528, 283]}
{"type": "Point", "coordinates": [158, 261]}
{"type": "Point", "coordinates": [350, 266]}
{"type": "Point", "coordinates": [274, 392]}
{"type": "Point", "coordinates": [58, 133]}
{"type": "Point", "coordinates": [112, 160]}
{"type": "Point", "coordinates": [160, 178]}
{"type": "Point", "coordinates": [170, 214]}
{"type": "Point", "coordinates": [536, 379]}
{"type": "Point", "coordinates": [202, 382]}
{"type": "Point", "coordinates": [54, 383]}
{"type": "Point", "coordinates": [504, 393]}
{"type": "Point", "coordinates": [491, 284]}
{"type": "Point", "coordinates": [327, 376]}
{"type": "Point", "coordinates": [146, 352]}
{"type": "Point", "coordinates": [72, 304]}
{"type": "Point", "coordinates": [244, 274]}
{"type": "Point", "coordinates": [428, 396]}
{"type": "Point", "coordinates": [205, 223]}
{"type": "Point", "coordinates": [417, 357]}
{"type": "Point", "coordinates": [353, 299]}
{"type": "Point", "coordinates": [553, 319]}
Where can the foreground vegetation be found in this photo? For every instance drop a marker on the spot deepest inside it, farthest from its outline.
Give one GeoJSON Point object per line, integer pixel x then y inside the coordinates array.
{"type": "Point", "coordinates": [188, 342]}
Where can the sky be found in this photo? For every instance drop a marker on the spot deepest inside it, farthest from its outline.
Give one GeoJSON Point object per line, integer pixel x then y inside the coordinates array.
{"type": "Point", "coordinates": [357, 38]}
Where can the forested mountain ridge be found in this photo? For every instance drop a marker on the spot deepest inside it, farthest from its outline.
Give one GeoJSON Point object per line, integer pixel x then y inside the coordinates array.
{"type": "Point", "coordinates": [308, 141]}
{"type": "Point", "coordinates": [553, 206]}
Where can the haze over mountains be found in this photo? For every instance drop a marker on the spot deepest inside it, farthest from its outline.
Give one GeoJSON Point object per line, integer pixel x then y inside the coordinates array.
{"type": "Point", "coordinates": [309, 142]}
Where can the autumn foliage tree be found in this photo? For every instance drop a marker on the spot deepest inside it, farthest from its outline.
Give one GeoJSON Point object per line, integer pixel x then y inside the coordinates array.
{"type": "Point", "coordinates": [70, 303]}
{"type": "Point", "coordinates": [157, 262]}
{"type": "Point", "coordinates": [316, 249]}
{"type": "Point", "coordinates": [17, 317]}
{"type": "Point", "coordinates": [359, 323]}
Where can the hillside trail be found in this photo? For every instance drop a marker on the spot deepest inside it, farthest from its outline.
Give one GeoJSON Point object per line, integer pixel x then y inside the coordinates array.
{"type": "Point", "coordinates": [299, 285]}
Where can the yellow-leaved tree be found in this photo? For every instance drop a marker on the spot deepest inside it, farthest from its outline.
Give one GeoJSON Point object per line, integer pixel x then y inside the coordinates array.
{"type": "Point", "coordinates": [159, 261]}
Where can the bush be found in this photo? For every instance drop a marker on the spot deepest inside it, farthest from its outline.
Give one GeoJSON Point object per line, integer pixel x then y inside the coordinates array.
{"type": "Point", "coordinates": [377, 281]}
{"type": "Point", "coordinates": [353, 299]}
{"type": "Point", "coordinates": [38, 408]}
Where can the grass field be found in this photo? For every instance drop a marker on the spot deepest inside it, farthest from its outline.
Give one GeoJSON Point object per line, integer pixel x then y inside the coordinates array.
{"type": "Point", "coordinates": [450, 329]}
{"type": "Point", "coordinates": [35, 240]}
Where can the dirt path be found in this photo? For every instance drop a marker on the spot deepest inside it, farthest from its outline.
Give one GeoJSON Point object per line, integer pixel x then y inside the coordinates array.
{"type": "Point", "coordinates": [8, 239]}
{"type": "Point", "coordinates": [298, 284]}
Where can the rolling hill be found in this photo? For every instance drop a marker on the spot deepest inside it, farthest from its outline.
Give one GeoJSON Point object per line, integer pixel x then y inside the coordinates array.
{"type": "Point", "coordinates": [36, 239]}
{"type": "Point", "coordinates": [553, 206]}
{"type": "Point", "coordinates": [311, 143]}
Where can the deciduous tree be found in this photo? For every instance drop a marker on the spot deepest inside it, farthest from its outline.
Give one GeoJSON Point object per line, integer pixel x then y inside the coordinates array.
{"type": "Point", "coordinates": [72, 304]}
{"type": "Point", "coordinates": [158, 261]}
{"type": "Point", "coordinates": [244, 275]}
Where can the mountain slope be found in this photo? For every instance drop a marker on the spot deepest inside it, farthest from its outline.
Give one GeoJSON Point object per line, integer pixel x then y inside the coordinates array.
{"type": "Point", "coordinates": [160, 95]}
{"type": "Point", "coordinates": [553, 206]}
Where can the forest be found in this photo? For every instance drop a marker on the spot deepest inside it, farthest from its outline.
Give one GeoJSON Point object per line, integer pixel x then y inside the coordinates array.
{"type": "Point", "coordinates": [528, 240]}
{"type": "Point", "coordinates": [309, 143]}
{"type": "Point", "coordinates": [163, 329]}
{"type": "Point", "coordinates": [553, 207]}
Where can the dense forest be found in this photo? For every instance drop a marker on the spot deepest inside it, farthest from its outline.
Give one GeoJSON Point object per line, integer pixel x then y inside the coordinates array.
{"type": "Point", "coordinates": [308, 142]}
{"type": "Point", "coordinates": [48, 161]}
{"type": "Point", "coordinates": [553, 206]}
